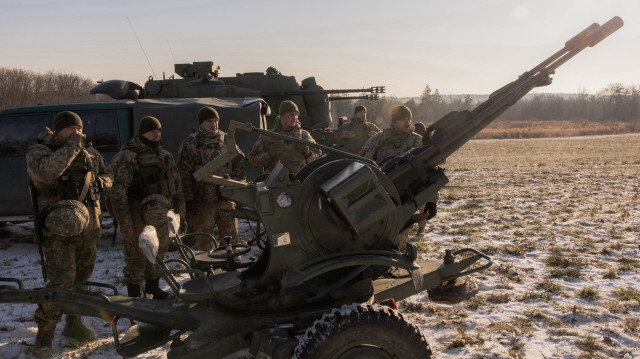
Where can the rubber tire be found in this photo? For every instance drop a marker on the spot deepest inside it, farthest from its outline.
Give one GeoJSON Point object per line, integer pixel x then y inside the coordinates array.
{"type": "Point", "coordinates": [354, 326]}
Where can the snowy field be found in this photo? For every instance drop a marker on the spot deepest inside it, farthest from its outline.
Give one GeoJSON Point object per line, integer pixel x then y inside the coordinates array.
{"type": "Point", "coordinates": [560, 218]}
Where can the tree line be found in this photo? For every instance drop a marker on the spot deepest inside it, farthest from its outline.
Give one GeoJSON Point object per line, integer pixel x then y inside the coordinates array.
{"type": "Point", "coordinates": [19, 88]}
{"type": "Point", "coordinates": [616, 103]}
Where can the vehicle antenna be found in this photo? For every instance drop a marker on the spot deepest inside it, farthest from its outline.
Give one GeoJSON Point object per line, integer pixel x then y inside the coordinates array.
{"type": "Point", "coordinates": [142, 48]}
{"type": "Point", "coordinates": [171, 50]}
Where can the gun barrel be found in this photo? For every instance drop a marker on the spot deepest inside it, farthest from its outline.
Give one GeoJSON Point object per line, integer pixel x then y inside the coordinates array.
{"type": "Point", "coordinates": [456, 128]}
{"type": "Point", "coordinates": [361, 97]}
{"type": "Point", "coordinates": [605, 30]}
{"type": "Point", "coordinates": [373, 89]}
{"type": "Point", "coordinates": [325, 149]}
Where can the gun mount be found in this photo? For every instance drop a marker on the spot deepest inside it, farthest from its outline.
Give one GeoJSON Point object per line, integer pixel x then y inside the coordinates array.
{"type": "Point", "coordinates": [331, 233]}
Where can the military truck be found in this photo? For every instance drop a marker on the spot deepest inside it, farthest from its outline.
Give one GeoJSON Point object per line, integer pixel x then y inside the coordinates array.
{"type": "Point", "coordinates": [108, 125]}
{"type": "Point", "coordinates": [326, 283]}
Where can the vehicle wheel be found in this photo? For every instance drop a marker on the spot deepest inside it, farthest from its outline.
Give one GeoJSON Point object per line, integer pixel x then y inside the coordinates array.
{"type": "Point", "coordinates": [362, 331]}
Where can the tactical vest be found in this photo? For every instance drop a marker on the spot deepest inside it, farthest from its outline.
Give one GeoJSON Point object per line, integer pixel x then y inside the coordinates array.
{"type": "Point", "coordinates": [78, 181]}
{"type": "Point", "coordinates": [354, 145]}
{"type": "Point", "coordinates": [151, 178]}
{"type": "Point", "coordinates": [210, 148]}
{"type": "Point", "coordinates": [392, 145]}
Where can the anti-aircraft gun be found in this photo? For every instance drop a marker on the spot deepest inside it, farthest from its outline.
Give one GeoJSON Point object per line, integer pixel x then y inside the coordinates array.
{"type": "Point", "coordinates": [330, 267]}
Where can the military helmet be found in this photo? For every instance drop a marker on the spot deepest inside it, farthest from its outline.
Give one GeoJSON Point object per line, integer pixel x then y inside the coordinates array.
{"type": "Point", "coordinates": [287, 106]}
{"type": "Point", "coordinates": [148, 123]}
{"type": "Point", "coordinates": [206, 113]}
{"type": "Point", "coordinates": [154, 209]}
{"type": "Point", "coordinates": [67, 218]}
{"type": "Point", "coordinates": [65, 119]}
{"type": "Point", "coordinates": [400, 112]}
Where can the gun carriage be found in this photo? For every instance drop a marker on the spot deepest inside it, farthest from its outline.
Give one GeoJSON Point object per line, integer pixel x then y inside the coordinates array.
{"type": "Point", "coordinates": [324, 285]}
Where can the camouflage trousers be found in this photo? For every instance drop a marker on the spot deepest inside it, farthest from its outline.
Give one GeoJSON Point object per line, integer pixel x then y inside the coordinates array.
{"type": "Point", "coordinates": [137, 267]}
{"type": "Point", "coordinates": [203, 217]}
{"type": "Point", "coordinates": [69, 261]}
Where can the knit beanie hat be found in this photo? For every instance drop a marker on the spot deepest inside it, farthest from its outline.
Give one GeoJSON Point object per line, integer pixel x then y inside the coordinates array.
{"type": "Point", "coordinates": [148, 123]}
{"type": "Point", "coordinates": [400, 112]}
{"type": "Point", "coordinates": [65, 119]}
{"type": "Point", "coordinates": [287, 106]}
{"type": "Point", "coordinates": [359, 108]}
{"type": "Point", "coordinates": [206, 113]}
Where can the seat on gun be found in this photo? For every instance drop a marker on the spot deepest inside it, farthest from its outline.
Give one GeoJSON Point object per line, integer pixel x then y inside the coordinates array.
{"type": "Point", "coordinates": [197, 258]}
{"type": "Point", "coordinates": [200, 287]}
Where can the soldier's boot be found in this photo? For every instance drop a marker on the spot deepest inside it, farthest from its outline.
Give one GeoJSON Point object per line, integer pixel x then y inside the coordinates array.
{"type": "Point", "coordinates": [152, 286]}
{"type": "Point", "coordinates": [43, 347]}
{"type": "Point", "coordinates": [74, 328]}
{"type": "Point", "coordinates": [133, 290]}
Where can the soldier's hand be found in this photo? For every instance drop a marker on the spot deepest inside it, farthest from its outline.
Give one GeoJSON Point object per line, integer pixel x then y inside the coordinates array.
{"type": "Point", "coordinates": [77, 138]}
{"type": "Point", "coordinates": [348, 134]}
{"type": "Point", "coordinates": [276, 149]}
{"type": "Point", "coordinates": [431, 209]}
{"type": "Point", "coordinates": [304, 149]}
{"type": "Point", "coordinates": [183, 225]}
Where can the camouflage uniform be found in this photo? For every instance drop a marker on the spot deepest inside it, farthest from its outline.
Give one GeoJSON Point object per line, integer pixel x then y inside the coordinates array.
{"type": "Point", "coordinates": [205, 208]}
{"type": "Point", "coordinates": [139, 171]}
{"type": "Point", "coordinates": [292, 157]}
{"type": "Point", "coordinates": [388, 143]}
{"type": "Point", "coordinates": [362, 131]}
{"type": "Point", "coordinates": [57, 170]}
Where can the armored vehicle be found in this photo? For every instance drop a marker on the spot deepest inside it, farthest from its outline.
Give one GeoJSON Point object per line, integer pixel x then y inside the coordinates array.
{"type": "Point", "coordinates": [202, 79]}
{"type": "Point", "coordinates": [326, 282]}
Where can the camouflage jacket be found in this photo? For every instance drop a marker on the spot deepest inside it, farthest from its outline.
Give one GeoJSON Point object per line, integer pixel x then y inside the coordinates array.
{"type": "Point", "coordinates": [388, 143]}
{"type": "Point", "coordinates": [195, 152]}
{"type": "Point", "coordinates": [292, 158]}
{"type": "Point", "coordinates": [126, 193]}
{"type": "Point", "coordinates": [361, 133]}
{"type": "Point", "coordinates": [49, 160]}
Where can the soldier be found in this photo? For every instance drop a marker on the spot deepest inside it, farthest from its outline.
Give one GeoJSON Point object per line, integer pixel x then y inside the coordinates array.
{"type": "Point", "coordinates": [205, 207]}
{"type": "Point", "coordinates": [267, 151]}
{"type": "Point", "coordinates": [397, 140]}
{"type": "Point", "coordinates": [353, 135]}
{"type": "Point", "coordinates": [147, 185]}
{"type": "Point", "coordinates": [67, 176]}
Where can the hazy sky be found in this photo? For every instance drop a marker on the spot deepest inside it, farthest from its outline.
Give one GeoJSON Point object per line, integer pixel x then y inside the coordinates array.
{"type": "Point", "coordinates": [458, 47]}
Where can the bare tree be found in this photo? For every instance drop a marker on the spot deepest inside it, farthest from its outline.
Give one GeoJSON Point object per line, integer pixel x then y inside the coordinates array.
{"type": "Point", "coordinates": [21, 87]}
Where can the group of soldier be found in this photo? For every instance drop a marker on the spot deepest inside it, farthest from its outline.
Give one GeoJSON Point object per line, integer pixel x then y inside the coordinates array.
{"type": "Point", "coordinates": [144, 182]}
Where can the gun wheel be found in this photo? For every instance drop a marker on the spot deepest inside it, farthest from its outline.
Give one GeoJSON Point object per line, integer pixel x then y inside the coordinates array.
{"type": "Point", "coordinates": [362, 331]}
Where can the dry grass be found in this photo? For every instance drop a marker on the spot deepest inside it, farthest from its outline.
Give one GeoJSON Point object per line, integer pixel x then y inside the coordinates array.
{"type": "Point", "coordinates": [561, 219]}
{"type": "Point", "coordinates": [540, 129]}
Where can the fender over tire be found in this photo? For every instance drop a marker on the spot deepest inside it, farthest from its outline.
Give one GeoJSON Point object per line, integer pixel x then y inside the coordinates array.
{"type": "Point", "coordinates": [362, 331]}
